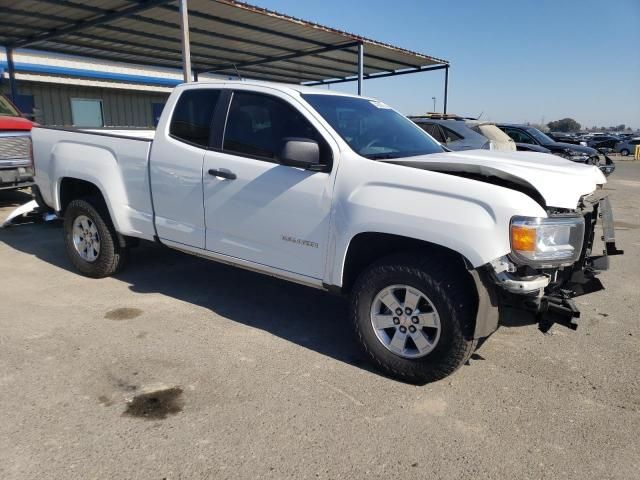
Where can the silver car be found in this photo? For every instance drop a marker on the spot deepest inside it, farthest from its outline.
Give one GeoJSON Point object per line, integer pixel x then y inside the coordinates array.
{"type": "Point", "coordinates": [458, 133]}
{"type": "Point", "coordinates": [628, 146]}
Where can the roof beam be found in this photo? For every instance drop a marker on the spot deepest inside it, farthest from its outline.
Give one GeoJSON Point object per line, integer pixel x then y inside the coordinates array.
{"type": "Point", "coordinates": [217, 48]}
{"type": "Point", "coordinates": [297, 38]}
{"type": "Point", "coordinates": [373, 76]}
{"type": "Point", "coordinates": [208, 33]}
{"type": "Point", "coordinates": [202, 59]}
{"type": "Point", "coordinates": [90, 22]}
{"type": "Point", "coordinates": [211, 34]}
{"type": "Point", "coordinates": [303, 53]}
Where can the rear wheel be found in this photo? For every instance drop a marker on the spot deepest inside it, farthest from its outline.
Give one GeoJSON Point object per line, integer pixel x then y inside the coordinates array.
{"type": "Point", "coordinates": [411, 315]}
{"type": "Point", "coordinates": [624, 152]}
{"type": "Point", "coordinates": [91, 241]}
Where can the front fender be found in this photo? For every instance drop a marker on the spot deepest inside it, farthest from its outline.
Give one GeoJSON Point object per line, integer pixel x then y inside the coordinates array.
{"type": "Point", "coordinates": [467, 216]}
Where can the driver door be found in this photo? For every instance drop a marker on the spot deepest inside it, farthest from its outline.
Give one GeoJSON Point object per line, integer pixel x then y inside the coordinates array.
{"type": "Point", "coordinates": [257, 209]}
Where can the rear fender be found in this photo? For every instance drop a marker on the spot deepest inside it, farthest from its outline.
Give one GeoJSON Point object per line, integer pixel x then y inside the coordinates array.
{"type": "Point", "coordinates": [98, 166]}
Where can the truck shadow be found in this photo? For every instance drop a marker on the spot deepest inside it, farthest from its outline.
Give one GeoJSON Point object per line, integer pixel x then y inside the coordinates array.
{"type": "Point", "coordinates": [307, 317]}
{"type": "Point", "coordinates": [14, 198]}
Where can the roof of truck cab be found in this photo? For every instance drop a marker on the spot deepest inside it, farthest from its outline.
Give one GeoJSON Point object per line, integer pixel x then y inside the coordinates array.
{"type": "Point", "coordinates": [287, 87]}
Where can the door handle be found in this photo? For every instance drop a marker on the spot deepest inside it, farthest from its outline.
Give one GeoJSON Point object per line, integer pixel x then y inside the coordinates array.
{"type": "Point", "coordinates": [223, 174]}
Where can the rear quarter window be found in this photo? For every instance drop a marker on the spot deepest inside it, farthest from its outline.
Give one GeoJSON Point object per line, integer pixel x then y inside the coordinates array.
{"type": "Point", "coordinates": [450, 135]}
{"type": "Point", "coordinates": [433, 130]}
{"type": "Point", "coordinates": [193, 115]}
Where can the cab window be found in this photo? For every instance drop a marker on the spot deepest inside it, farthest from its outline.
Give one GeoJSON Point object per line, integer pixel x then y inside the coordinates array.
{"type": "Point", "coordinates": [258, 126]}
{"type": "Point", "coordinates": [193, 115]}
{"type": "Point", "coordinates": [518, 136]}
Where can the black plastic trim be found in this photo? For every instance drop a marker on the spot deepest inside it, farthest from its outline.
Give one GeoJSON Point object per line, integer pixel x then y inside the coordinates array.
{"type": "Point", "coordinates": [488, 314]}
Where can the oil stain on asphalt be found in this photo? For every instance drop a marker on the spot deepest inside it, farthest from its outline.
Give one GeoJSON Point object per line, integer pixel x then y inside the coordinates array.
{"type": "Point", "coordinates": [157, 403]}
{"type": "Point", "coordinates": [123, 313]}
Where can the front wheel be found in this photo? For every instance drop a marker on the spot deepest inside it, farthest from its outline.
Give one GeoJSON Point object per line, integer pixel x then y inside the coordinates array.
{"type": "Point", "coordinates": [411, 314]}
{"type": "Point", "coordinates": [90, 239]}
{"type": "Point", "coordinates": [624, 152]}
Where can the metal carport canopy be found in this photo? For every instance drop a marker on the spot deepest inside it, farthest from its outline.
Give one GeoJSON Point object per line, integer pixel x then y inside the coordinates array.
{"type": "Point", "coordinates": [223, 36]}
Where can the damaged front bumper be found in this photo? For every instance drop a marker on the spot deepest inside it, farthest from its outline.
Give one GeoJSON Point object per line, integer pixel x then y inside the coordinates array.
{"type": "Point", "coordinates": [548, 294]}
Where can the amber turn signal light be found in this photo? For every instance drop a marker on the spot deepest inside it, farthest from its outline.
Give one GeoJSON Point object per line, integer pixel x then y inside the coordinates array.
{"type": "Point", "coordinates": [523, 239]}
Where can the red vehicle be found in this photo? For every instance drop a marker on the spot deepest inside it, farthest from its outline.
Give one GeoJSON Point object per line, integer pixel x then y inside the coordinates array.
{"type": "Point", "coordinates": [16, 168]}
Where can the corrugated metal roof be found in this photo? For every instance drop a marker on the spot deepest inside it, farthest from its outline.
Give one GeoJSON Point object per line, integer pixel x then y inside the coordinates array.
{"type": "Point", "coordinates": [225, 35]}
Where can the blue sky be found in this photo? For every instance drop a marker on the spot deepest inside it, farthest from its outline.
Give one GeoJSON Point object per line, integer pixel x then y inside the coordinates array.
{"type": "Point", "coordinates": [512, 60]}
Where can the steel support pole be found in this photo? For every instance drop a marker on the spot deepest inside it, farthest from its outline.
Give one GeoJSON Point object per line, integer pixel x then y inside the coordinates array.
{"type": "Point", "coordinates": [186, 45]}
{"type": "Point", "coordinates": [360, 67]}
{"type": "Point", "coordinates": [12, 74]}
{"type": "Point", "coordinates": [446, 88]}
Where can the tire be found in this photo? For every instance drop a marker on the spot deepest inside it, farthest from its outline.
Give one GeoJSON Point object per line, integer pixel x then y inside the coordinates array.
{"type": "Point", "coordinates": [448, 293]}
{"type": "Point", "coordinates": [109, 256]}
{"type": "Point", "coordinates": [624, 152]}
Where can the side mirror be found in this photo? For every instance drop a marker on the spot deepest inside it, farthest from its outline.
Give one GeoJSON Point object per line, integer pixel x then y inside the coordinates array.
{"type": "Point", "coordinates": [301, 153]}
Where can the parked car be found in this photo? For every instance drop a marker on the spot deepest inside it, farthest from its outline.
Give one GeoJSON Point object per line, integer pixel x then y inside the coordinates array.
{"type": "Point", "coordinates": [452, 132]}
{"type": "Point", "coordinates": [458, 133]}
{"type": "Point", "coordinates": [602, 142]}
{"type": "Point", "coordinates": [627, 147]}
{"type": "Point", "coordinates": [577, 153]}
{"type": "Point", "coordinates": [16, 170]}
{"type": "Point", "coordinates": [341, 193]}
{"type": "Point", "coordinates": [498, 140]}
{"type": "Point", "coordinates": [564, 137]}
{"type": "Point", "coordinates": [626, 136]}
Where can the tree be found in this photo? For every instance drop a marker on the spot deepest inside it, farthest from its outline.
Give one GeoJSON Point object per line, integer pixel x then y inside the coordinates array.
{"type": "Point", "coordinates": [564, 125]}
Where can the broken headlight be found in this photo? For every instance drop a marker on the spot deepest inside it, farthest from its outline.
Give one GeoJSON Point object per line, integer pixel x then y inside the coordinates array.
{"type": "Point", "coordinates": [546, 242]}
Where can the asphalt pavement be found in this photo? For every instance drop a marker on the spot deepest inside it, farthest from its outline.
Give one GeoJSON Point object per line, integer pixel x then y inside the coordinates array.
{"type": "Point", "coordinates": [181, 368]}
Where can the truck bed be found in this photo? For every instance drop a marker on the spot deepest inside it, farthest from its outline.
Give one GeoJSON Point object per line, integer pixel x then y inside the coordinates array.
{"type": "Point", "coordinates": [116, 161]}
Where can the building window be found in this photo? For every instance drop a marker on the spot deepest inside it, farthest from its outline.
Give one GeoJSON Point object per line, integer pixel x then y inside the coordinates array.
{"type": "Point", "coordinates": [87, 112]}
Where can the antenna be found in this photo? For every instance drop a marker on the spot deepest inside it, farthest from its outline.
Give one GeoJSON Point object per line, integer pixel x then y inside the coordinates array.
{"type": "Point", "coordinates": [237, 72]}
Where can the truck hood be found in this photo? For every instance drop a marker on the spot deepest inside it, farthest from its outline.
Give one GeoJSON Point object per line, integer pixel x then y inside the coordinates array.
{"type": "Point", "coordinates": [14, 123]}
{"type": "Point", "coordinates": [549, 179]}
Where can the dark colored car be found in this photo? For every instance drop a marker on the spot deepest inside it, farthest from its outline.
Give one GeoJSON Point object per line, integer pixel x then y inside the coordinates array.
{"type": "Point", "coordinates": [564, 137]}
{"type": "Point", "coordinates": [525, 134]}
{"type": "Point", "coordinates": [603, 142]}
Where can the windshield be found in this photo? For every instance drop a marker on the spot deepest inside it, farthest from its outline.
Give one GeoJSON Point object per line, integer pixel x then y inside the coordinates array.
{"type": "Point", "coordinates": [541, 137]}
{"type": "Point", "coordinates": [371, 128]}
{"type": "Point", "coordinates": [7, 109]}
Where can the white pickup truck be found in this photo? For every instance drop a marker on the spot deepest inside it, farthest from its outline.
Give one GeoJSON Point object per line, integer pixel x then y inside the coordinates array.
{"type": "Point", "coordinates": [341, 193]}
